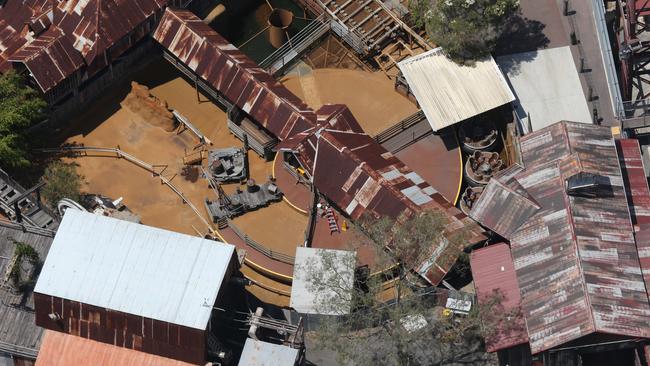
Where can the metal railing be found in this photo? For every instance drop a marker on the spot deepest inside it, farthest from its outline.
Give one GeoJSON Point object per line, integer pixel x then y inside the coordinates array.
{"type": "Point", "coordinates": [402, 125]}
{"type": "Point", "coordinates": [260, 247]}
{"type": "Point", "coordinates": [296, 45]}
{"type": "Point", "coordinates": [28, 228]}
{"type": "Point", "coordinates": [149, 167]}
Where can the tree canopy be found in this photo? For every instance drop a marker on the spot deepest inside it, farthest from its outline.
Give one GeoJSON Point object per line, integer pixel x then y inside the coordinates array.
{"type": "Point", "coordinates": [467, 30]}
{"type": "Point", "coordinates": [20, 107]}
{"type": "Point", "coordinates": [61, 181]}
{"type": "Point", "coordinates": [396, 318]}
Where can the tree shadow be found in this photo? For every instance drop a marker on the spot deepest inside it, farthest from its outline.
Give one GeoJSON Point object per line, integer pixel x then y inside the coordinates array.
{"type": "Point", "coordinates": [520, 35]}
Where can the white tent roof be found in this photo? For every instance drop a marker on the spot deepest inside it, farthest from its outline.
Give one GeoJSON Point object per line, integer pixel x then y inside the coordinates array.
{"type": "Point", "coordinates": [547, 86]}
{"type": "Point", "coordinates": [449, 93]}
{"type": "Point", "coordinates": [334, 269]}
{"type": "Point", "coordinates": [135, 269]}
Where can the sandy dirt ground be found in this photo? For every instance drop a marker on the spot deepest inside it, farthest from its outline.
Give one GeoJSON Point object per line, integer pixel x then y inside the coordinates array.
{"type": "Point", "coordinates": [107, 124]}
{"type": "Point", "coordinates": [369, 95]}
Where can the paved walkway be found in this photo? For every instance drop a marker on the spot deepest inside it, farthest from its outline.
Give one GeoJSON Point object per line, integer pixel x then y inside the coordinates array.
{"type": "Point", "coordinates": [543, 25]}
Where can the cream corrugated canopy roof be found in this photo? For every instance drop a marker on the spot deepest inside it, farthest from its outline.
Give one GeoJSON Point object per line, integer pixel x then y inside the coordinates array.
{"type": "Point", "coordinates": [449, 93]}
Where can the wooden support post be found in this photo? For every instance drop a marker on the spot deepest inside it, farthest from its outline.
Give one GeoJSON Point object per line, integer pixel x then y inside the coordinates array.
{"type": "Point", "coordinates": [196, 87]}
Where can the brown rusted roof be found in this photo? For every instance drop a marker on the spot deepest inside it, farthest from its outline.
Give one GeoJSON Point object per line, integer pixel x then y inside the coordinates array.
{"type": "Point", "coordinates": [503, 207]}
{"type": "Point", "coordinates": [494, 278]}
{"type": "Point", "coordinates": [50, 58]}
{"type": "Point", "coordinates": [90, 27]}
{"type": "Point", "coordinates": [233, 74]}
{"type": "Point", "coordinates": [345, 164]}
{"type": "Point", "coordinates": [357, 174]}
{"type": "Point", "coordinates": [60, 349]}
{"type": "Point", "coordinates": [636, 182]}
{"type": "Point", "coordinates": [576, 260]}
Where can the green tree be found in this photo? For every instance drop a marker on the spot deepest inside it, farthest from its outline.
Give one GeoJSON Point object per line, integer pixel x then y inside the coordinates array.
{"type": "Point", "coordinates": [399, 321]}
{"type": "Point", "coordinates": [20, 107]}
{"type": "Point", "coordinates": [61, 181]}
{"type": "Point", "coordinates": [467, 30]}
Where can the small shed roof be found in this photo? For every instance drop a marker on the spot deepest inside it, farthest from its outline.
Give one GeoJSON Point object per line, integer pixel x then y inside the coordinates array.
{"type": "Point", "coordinates": [61, 349]}
{"type": "Point", "coordinates": [314, 266]}
{"type": "Point", "coordinates": [259, 353]}
{"type": "Point", "coordinates": [135, 269]}
{"type": "Point", "coordinates": [494, 274]}
{"type": "Point", "coordinates": [547, 87]}
{"type": "Point", "coordinates": [448, 92]}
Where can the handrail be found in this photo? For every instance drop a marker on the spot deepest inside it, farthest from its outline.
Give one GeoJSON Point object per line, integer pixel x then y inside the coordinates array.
{"type": "Point", "coordinates": [140, 163]}
{"type": "Point", "coordinates": [260, 247]}
{"type": "Point", "coordinates": [400, 126]}
{"type": "Point", "coordinates": [297, 44]}
{"type": "Point", "coordinates": [28, 228]}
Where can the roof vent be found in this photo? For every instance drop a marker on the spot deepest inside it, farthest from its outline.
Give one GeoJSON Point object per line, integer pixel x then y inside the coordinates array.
{"type": "Point", "coordinates": [588, 185]}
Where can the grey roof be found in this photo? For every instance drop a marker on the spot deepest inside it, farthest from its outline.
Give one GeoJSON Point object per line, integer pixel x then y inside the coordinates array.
{"type": "Point", "coordinates": [322, 281]}
{"type": "Point", "coordinates": [259, 353]}
{"type": "Point", "coordinates": [18, 331]}
{"type": "Point", "coordinates": [547, 87]}
{"type": "Point", "coordinates": [135, 269]}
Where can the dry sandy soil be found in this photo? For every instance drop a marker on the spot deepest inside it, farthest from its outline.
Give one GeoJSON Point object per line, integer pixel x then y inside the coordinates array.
{"type": "Point", "coordinates": [109, 124]}
{"type": "Point", "coordinates": [370, 95]}
{"type": "Point", "coordinates": [137, 130]}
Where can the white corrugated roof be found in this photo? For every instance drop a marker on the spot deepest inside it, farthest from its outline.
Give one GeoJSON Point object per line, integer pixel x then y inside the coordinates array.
{"type": "Point", "coordinates": [547, 87]}
{"type": "Point", "coordinates": [259, 353]}
{"type": "Point", "coordinates": [315, 266]}
{"type": "Point", "coordinates": [448, 92]}
{"type": "Point", "coordinates": [135, 269]}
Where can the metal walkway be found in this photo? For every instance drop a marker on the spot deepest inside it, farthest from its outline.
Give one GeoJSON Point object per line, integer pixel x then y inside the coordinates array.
{"type": "Point", "coordinates": [18, 204]}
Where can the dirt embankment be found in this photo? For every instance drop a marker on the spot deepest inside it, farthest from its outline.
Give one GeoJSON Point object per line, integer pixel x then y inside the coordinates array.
{"type": "Point", "coordinates": [148, 108]}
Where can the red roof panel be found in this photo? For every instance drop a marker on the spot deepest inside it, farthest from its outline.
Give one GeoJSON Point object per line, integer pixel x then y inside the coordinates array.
{"type": "Point", "coordinates": [494, 275]}
{"type": "Point", "coordinates": [61, 349]}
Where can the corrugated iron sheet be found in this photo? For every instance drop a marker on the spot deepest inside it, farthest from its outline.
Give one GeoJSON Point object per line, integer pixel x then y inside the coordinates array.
{"type": "Point", "coordinates": [503, 207]}
{"type": "Point", "coordinates": [135, 269]}
{"type": "Point", "coordinates": [360, 176]}
{"type": "Point", "coordinates": [90, 26]}
{"type": "Point", "coordinates": [60, 349]}
{"type": "Point", "coordinates": [449, 92]}
{"type": "Point", "coordinates": [576, 260]}
{"type": "Point", "coordinates": [50, 58]}
{"type": "Point", "coordinates": [494, 275]}
{"type": "Point", "coordinates": [346, 165]}
{"type": "Point", "coordinates": [233, 74]}
{"type": "Point", "coordinates": [636, 182]}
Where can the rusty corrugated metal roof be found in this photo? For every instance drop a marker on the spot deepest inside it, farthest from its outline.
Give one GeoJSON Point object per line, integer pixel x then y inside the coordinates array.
{"type": "Point", "coordinates": [60, 349]}
{"type": "Point", "coordinates": [636, 182]}
{"type": "Point", "coordinates": [346, 165]}
{"type": "Point", "coordinates": [50, 58]}
{"type": "Point", "coordinates": [494, 275]}
{"type": "Point", "coordinates": [233, 74]}
{"type": "Point", "coordinates": [576, 260]}
{"type": "Point", "coordinates": [504, 192]}
{"type": "Point", "coordinates": [90, 27]}
{"type": "Point", "coordinates": [360, 176]}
